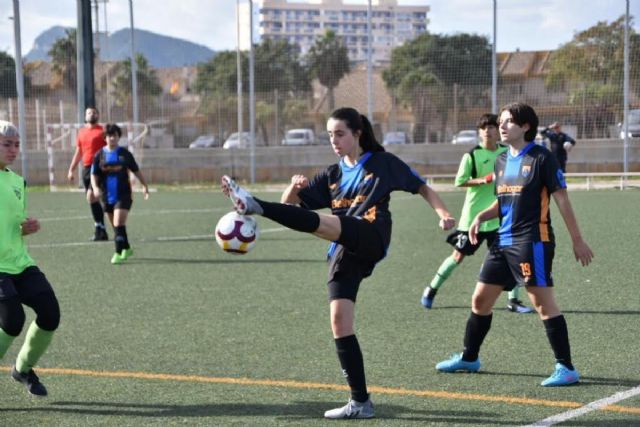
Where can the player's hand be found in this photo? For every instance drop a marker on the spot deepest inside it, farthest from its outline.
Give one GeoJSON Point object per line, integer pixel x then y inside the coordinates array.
{"type": "Point", "coordinates": [29, 226]}
{"type": "Point", "coordinates": [582, 252]}
{"type": "Point", "coordinates": [447, 223]}
{"type": "Point", "coordinates": [567, 146]}
{"type": "Point", "coordinates": [70, 175]}
{"type": "Point", "coordinates": [473, 232]}
{"type": "Point", "coordinates": [488, 178]}
{"type": "Point", "coordinates": [145, 192]}
{"type": "Point", "coordinates": [298, 182]}
{"type": "Point", "coordinates": [97, 193]}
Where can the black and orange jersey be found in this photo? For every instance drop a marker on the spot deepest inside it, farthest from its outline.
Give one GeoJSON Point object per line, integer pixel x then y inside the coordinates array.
{"type": "Point", "coordinates": [362, 190]}
{"type": "Point", "coordinates": [112, 169]}
{"type": "Point", "coordinates": [524, 184]}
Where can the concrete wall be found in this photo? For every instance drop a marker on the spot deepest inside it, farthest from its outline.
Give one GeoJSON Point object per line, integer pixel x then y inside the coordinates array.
{"type": "Point", "coordinates": [277, 164]}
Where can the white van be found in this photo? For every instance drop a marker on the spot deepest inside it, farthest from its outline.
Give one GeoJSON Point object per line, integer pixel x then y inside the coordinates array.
{"type": "Point", "coordinates": [299, 137]}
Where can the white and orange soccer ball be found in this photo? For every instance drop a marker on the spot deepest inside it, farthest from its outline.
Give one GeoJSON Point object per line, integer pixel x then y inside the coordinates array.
{"type": "Point", "coordinates": [237, 234]}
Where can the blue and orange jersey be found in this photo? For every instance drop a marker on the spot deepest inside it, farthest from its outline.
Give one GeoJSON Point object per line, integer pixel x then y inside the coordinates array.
{"type": "Point", "coordinates": [112, 169]}
{"type": "Point", "coordinates": [362, 190]}
{"type": "Point", "coordinates": [524, 184]}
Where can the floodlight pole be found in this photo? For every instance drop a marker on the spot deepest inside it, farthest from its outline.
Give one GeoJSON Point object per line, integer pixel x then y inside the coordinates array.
{"type": "Point", "coordinates": [238, 70]}
{"type": "Point", "coordinates": [252, 97]}
{"type": "Point", "coordinates": [134, 68]}
{"type": "Point", "coordinates": [22, 126]}
{"type": "Point", "coordinates": [369, 66]}
{"type": "Point", "coordinates": [626, 92]}
{"type": "Point", "coordinates": [494, 65]}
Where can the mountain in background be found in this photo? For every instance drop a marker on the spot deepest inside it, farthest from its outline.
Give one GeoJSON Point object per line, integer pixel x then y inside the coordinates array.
{"type": "Point", "coordinates": [161, 51]}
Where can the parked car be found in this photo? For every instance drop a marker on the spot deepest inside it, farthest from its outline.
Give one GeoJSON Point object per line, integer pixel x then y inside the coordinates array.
{"type": "Point", "coordinates": [241, 141]}
{"type": "Point", "coordinates": [634, 125]}
{"type": "Point", "coordinates": [204, 141]}
{"type": "Point", "coordinates": [393, 138]}
{"type": "Point", "coordinates": [299, 137]}
{"type": "Point", "coordinates": [466, 137]}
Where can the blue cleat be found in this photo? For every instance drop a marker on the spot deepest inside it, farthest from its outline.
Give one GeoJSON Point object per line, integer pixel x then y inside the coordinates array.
{"type": "Point", "coordinates": [426, 302]}
{"type": "Point", "coordinates": [516, 306]}
{"type": "Point", "coordinates": [561, 376]}
{"type": "Point", "coordinates": [428, 296]}
{"type": "Point", "coordinates": [455, 364]}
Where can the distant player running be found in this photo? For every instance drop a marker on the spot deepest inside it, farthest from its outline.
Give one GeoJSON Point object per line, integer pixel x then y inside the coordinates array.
{"type": "Point", "coordinates": [527, 175]}
{"type": "Point", "coordinates": [21, 281]}
{"type": "Point", "coordinates": [476, 174]}
{"type": "Point", "coordinates": [110, 181]}
{"type": "Point", "coordinates": [357, 190]}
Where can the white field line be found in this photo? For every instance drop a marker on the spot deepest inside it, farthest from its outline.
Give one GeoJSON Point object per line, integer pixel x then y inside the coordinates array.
{"type": "Point", "coordinates": [589, 407]}
{"type": "Point", "coordinates": [151, 240]}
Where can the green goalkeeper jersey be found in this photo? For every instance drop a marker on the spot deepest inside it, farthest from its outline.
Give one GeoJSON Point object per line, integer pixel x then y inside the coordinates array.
{"type": "Point", "coordinates": [477, 163]}
{"type": "Point", "coordinates": [14, 258]}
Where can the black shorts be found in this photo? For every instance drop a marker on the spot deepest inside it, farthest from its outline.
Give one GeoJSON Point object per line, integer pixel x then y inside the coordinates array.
{"type": "Point", "coordinates": [528, 264]}
{"type": "Point", "coordinates": [120, 204]}
{"type": "Point", "coordinates": [460, 241]}
{"type": "Point", "coordinates": [30, 282]}
{"type": "Point", "coordinates": [86, 177]}
{"type": "Point", "coordinates": [357, 251]}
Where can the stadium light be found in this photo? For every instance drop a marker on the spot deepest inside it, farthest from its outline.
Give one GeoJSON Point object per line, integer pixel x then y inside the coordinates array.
{"type": "Point", "coordinates": [22, 126]}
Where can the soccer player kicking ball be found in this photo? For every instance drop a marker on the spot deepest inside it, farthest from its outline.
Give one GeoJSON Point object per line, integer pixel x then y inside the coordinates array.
{"type": "Point", "coordinates": [476, 174]}
{"type": "Point", "coordinates": [527, 175]}
{"type": "Point", "coordinates": [21, 281]}
{"type": "Point", "coordinates": [357, 190]}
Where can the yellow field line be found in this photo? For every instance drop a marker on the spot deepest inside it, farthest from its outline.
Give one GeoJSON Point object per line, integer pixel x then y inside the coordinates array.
{"type": "Point", "coordinates": [323, 386]}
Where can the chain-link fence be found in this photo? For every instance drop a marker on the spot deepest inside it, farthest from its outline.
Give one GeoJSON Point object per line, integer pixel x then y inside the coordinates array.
{"type": "Point", "coordinates": [423, 89]}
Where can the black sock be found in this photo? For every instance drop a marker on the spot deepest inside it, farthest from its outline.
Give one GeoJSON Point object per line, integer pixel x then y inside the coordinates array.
{"type": "Point", "coordinates": [120, 238]}
{"type": "Point", "coordinates": [352, 365]}
{"type": "Point", "coordinates": [98, 213]}
{"type": "Point", "coordinates": [123, 231]}
{"type": "Point", "coordinates": [558, 336]}
{"type": "Point", "coordinates": [477, 329]}
{"type": "Point", "coordinates": [293, 217]}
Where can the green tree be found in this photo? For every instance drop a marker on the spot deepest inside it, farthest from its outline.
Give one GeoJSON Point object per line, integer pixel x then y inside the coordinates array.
{"type": "Point", "coordinates": [63, 57]}
{"type": "Point", "coordinates": [7, 76]}
{"type": "Point", "coordinates": [591, 69]}
{"type": "Point", "coordinates": [424, 72]}
{"type": "Point", "coordinates": [328, 61]}
{"type": "Point", "coordinates": [280, 76]}
{"type": "Point", "coordinates": [148, 84]}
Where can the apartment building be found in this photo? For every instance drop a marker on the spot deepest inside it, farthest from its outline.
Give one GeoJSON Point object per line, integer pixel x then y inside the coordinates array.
{"type": "Point", "coordinates": [302, 22]}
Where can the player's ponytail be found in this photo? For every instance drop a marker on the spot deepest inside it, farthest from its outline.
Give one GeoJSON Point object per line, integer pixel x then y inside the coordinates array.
{"type": "Point", "coordinates": [356, 122]}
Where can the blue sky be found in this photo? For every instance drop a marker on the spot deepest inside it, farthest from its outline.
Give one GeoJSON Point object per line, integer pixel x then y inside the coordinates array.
{"type": "Point", "coordinates": [522, 24]}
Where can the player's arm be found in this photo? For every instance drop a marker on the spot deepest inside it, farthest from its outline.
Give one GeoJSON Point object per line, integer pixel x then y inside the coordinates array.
{"type": "Point", "coordinates": [290, 194]}
{"type": "Point", "coordinates": [463, 177]}
{"type": "Point", "coordinates": [29, 226]}
{"type": "Point", "coordinates": [487, 214]}
{"type": "Point", "coordinates": [581, 250]}
{"type": "Point", "coordinates": [74, 163]}
{"type": "Point", "coordinates": [447, 221]}
{"type": "Point", "coordinates": [145, 187]}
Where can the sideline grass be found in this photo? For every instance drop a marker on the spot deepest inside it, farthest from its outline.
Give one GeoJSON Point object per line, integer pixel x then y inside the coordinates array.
{"type": "Point", "coordinates": [182, 307]}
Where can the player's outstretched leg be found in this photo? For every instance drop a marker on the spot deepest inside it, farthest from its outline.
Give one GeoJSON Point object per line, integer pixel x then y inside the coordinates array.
{"type": "Point", "coordinates": [243, 201]}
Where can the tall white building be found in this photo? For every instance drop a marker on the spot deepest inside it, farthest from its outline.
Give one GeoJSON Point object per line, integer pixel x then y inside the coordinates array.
{"type": "Point", "coordinates": [302, 22]}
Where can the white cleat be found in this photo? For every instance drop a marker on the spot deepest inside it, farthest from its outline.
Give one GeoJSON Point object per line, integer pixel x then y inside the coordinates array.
{"type": "Point", "coordinates": [353, 409]}
{"type": "Point", "coordinates": [243, 201]}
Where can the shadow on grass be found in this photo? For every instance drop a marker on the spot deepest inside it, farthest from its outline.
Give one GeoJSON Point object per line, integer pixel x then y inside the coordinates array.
{"type": "Point", "coordinates": [229, 260]}
{"type": "Point", "coordinates": [585, 381]}
{"type": "Point", "coordinates": [295, 410]}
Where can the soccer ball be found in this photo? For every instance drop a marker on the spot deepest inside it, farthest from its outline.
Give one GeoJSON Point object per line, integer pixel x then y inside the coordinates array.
{"type": "Point", "coordinates": [236, 234]}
